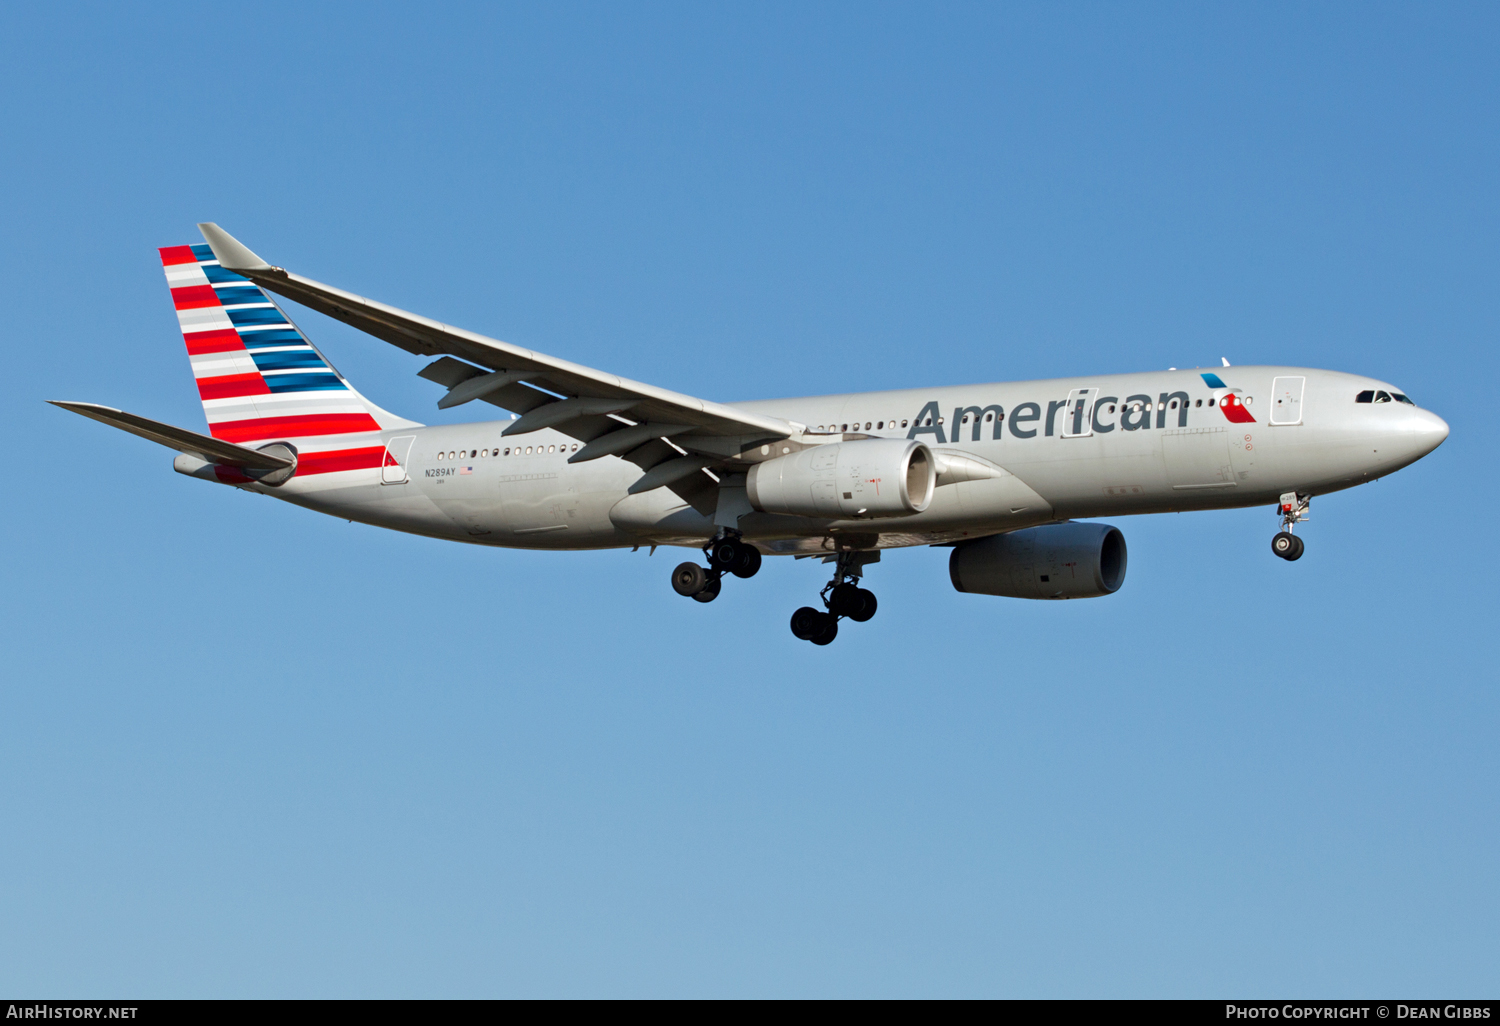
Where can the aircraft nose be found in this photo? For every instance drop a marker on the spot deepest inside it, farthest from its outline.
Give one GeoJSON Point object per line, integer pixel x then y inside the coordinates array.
{"type": "Point", "coordinates": [1428, 431]}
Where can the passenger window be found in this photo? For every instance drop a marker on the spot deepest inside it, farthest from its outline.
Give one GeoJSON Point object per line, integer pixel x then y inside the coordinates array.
{"type": "Point", "coordinates": [903, 423]}
{"type": "Point", "coordinates": [1198, 403]}
{"type": "Point", "coordinates": [1210, 402]}
{"type": "Point", "coordinates": [1366, 396]}
{"type": "Point", "coordinates": [1402, 399]}
{"type": "Point", "coordinates": [440, 455]}
{"type": "Point", "coordinates": [1382, 397]}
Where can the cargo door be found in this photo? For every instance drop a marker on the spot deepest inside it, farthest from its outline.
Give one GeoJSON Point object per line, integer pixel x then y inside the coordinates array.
{"type": "Point", "coordinates": [393, 467]}
{"type": "Point", "coordinates": [1197, 458]}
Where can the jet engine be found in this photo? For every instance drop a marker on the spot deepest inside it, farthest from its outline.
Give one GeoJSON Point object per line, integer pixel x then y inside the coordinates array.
{"type": "Point", "coordinates": [1055, 561]}
{"type": "Point", "coordinates": [872, 477]}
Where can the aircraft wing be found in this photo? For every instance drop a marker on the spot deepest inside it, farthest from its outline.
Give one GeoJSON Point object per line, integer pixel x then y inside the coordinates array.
{"type": "Point", "coordinates": [210, 450]}
{"type": "Point", "coordinates": [583, 402]}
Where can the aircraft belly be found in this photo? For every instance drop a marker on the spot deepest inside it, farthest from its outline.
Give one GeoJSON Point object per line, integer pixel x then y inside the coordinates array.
{"type": "Point", "coordinates": [399, 508]}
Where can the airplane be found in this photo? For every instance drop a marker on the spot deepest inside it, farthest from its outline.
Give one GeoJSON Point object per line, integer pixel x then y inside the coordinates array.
{"type": "Point", "coordinates": [1003, 474]}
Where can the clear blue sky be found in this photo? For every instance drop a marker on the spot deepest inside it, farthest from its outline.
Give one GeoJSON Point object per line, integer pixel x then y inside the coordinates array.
{"type": "Point", "coordinates": [248, 750]}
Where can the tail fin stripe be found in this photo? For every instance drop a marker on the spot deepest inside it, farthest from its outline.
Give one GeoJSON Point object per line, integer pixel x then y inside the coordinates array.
{"type": "Point", "coordinates": [243, 315]}
{"type": "Point", "coordinates": [270, 360]}
{"type": "Point", "coordinates": [259, 378]}
{"type": "Point", "coordinates": [190, 297]}
{"type": "Point", "coordinates": [231, 386]}
{"type": "Point", "coordinates": [218, 276]}
{"type": "Point", "coordinates": [200, 343]}
{"type": "Point", "coordinates": [330, 461]}
{"type": "Point", "coordinates": [302, 383]}
{"type": "Point", "coordinates": [265, 337]}
{"type": "Point", "coordinates": [293, 427]}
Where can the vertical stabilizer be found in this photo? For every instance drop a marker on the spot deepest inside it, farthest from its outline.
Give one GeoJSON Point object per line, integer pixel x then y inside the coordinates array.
{"type": "Point", "coordinates": [260, 378]}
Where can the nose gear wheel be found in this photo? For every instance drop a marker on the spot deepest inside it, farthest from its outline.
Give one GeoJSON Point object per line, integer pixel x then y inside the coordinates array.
{"type": "Point", "coordinates": [1293, 510]}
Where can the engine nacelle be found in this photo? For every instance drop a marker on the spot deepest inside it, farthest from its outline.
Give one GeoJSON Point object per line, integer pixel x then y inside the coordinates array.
{"type": "Point", "coordinates": [1055, 561]}
{"type": "Point", "coordinates": [872, 477]}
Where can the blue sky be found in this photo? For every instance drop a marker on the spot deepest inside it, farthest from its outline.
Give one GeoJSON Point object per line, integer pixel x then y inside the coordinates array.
{"type": "Point", "coordinates": [251, 751]}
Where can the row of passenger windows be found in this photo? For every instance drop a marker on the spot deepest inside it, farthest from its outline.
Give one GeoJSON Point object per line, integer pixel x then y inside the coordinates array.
{"type": "Point", "coordinates": [879, 425]}
{"type": "Point", "coordinates": [515, 450]}
{"type": "Point", "coordinates": [1370, 395]}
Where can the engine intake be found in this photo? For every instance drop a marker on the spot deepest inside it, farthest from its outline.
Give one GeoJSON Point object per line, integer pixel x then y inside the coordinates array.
{"type": "Point", "coordinates": [873, 477]}
{"type": "Point", "coordinates": [1055, 561]}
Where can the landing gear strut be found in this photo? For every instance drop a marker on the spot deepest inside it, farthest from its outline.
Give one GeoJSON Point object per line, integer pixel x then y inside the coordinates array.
{"type": "Point", "coordinates": [1293, 510]}
{"type": "Point", "coordinates": [727, 553]}
{"type": "Point", "coordinates": [842, 597]}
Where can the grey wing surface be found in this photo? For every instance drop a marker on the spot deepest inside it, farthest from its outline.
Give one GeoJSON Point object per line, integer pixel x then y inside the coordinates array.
{"type": "Point", "coordinates": [646, 425]}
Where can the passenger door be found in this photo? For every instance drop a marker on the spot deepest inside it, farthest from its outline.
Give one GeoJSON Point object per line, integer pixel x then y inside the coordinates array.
{"type": "Point", "coordinates": [1286, 400]}
{"type": "Point", "coordinates": [1078, 416]}
{"type": "Point", "coordinates": [393, 466]}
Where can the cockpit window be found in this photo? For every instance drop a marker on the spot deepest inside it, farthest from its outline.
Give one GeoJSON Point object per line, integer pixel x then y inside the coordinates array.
{"type": "Point", "coordinates": [1366, 396]}
{"type": "Point", "coordinates": [1402, 399]}
{"type": "Point", "coordinates": [1382, 397]}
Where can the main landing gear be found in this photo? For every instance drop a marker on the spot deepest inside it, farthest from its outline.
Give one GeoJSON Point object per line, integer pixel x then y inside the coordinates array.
{"type": "Point", "coordinates": [727, 554]}
{"type": "Point", "coordinates": [1293, 510]}
{"type": "Point", "coordinates": [842, 597]}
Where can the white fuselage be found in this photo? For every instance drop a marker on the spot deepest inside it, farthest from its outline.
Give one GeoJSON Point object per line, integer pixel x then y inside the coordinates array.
{"type": "Point", "coordinates": [1140, 443]}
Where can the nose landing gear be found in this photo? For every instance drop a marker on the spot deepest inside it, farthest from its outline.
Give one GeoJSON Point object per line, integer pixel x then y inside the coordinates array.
{"type": "Point", "coordinates": [1293, 510]}
{"type": "Point", "coordinates": [842, 597]}
{"type": "Point", "coordinates": [727, 554]}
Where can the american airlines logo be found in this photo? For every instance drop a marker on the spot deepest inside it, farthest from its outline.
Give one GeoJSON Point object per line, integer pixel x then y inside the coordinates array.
{"type": "Point", "coordinates": [1084, 412]}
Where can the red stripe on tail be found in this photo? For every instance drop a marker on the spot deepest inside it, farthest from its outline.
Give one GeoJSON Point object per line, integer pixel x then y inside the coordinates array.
{"type": "Point", "coordinates": [339, 459]}
{"type": "Point", "coordinates": [177, 255]}
{"type": "Point", "coordinates": [219, 340]}
{"type": "Point", "coordinates": [303, 426]}
{"type": "Point", "coordinates": [230, 386]}
{"type": "Point", "coordinates": [194, 297]}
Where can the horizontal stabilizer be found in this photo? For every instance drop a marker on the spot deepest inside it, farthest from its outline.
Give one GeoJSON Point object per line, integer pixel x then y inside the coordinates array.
{"type": "Point", "coordinates": [212, 450]}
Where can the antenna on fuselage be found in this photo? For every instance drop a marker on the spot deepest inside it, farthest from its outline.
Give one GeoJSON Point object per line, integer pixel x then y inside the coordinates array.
{"type": "Point", "coordinates": [1225, 359]}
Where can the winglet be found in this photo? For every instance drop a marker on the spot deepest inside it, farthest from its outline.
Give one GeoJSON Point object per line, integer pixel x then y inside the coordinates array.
{"type": "Point", "coordinates": [231, 253]}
